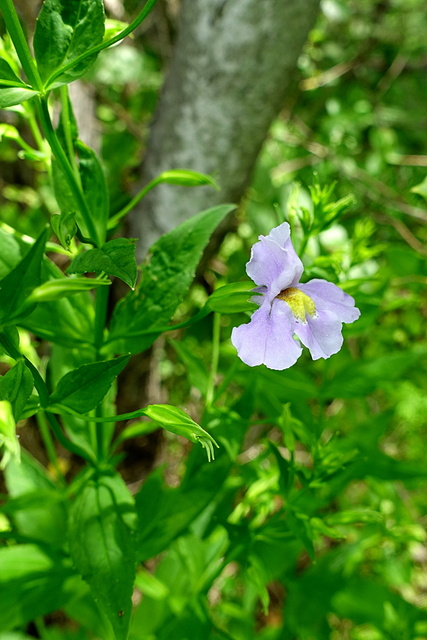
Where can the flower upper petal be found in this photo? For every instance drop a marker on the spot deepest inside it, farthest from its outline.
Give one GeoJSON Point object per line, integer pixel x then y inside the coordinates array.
{"type": "Point", "coordinates": [274, 262]}
{"type": "Point", "coordinates": [268, 337]}
{"type": "Point", "coordinates": [321, 334]}
{"type": "Point", "coordinates": [328, 297]}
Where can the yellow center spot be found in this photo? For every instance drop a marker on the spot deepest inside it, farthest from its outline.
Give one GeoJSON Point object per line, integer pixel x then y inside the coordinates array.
{"type": "Point", "coordinates": [300, 303]}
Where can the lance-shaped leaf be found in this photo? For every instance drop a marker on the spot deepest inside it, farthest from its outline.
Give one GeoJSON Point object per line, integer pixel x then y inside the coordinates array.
{"type": "Point", "coordinates": [64, 287]}
{"type": "Point", "coordinates": [18, 284]}
{"type": "Point", "coordinates": [8, 440]}
{"type": "Point", "coordinates": [117, 258]}
{"type": "Point", "coordinates": [12, 89]}
{"type": "Point", "coordinates": [66, 29]}
{"type": "Point", "coordinates": [165, 280]}
{"type": "Point", "coordinates": [16, 387]}
{"type": "Point", "coordinates": [83, 389]}
{"type": "Point", "coordinates": [8, 76]}
{"type": "Point", "coordinates": [95, 189]}
{"type": "Point", "coordinates": [9, 96]}
{"type": "Point", "coordinates": [232, 298]}
{"type": "Point", "coordinates": [10, 252]}
{"type": "Point", "coordinates": [102, 544]}
{"type": "Point", "coordinates": [94, 184]}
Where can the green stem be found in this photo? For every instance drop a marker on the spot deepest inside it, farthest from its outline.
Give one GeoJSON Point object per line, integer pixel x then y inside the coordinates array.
{"type": "Point", "coordinates": [49, 445]}
{"type": "Point", "coordinates": [104, 45]}
{"type": "Point", "coordinates": [18, 38]}
{"type": "Point", "coordinates": [130, 205]}
{"type": "Point", "coordinates": [59, 153]}
{"type": "Point", "coordinates": [32, 121]}
{"type": "Point", "coordinates": [101, 305]}
{"type": "Point", "coordinates": [66, 124]}
{"type": "Point", "coordinates": [215, 359]}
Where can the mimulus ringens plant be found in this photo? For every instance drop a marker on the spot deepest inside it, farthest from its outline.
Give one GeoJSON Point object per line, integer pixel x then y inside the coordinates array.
{"type": "Point", "coordinates": [314, 311]}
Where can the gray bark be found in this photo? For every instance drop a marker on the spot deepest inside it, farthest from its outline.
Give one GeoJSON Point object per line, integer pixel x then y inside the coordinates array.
{"type": "Point", "coordinates": [232, 66]}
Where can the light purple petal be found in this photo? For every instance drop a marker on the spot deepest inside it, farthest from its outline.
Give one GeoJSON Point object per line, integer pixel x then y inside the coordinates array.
{"type": "Point", "coordinates": [328, 297]}
{"type": "Point", "coordinates": [274, 262]}
{"type": "Point", "coordinates": [268, 337]}
{"type": "Point", "coordinates": [321, 335]}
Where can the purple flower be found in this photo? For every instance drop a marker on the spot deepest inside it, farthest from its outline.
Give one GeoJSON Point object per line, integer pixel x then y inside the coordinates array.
{"type": "Point", "coordinates": [314, 311]}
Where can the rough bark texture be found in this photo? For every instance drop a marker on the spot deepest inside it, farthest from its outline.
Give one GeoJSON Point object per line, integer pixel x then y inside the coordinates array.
{"type": "Point", "coordinates": [232, 66]}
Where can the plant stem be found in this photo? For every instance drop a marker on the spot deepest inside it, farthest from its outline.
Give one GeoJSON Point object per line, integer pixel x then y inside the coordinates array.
{"type": "Point", "coordinates": [130, 205]}
{"type": "Point", "coordinates": [49, 444]}
{"type": "Point", "coordinates": [215, 359]}
{"type": "Point", "coordinates": [101, 305]}
{"type": "Point", "coordinates": [18, 38]}
{"type": "Point", "coordinates": [100, 320]}
{"type": "Point", "coordinates": [32, 121]}
{"type": "Point", "coordinates": [66, 124]}
{"type": "Point", "coordinates": [59, 154]}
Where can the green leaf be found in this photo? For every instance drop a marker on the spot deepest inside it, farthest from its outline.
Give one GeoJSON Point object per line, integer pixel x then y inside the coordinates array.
{"type": "Point", "coordinates": [83, 389]}
{"type": "Point", "coordinates": [421, 188]}
{"type": "Point", "coordinates": [67, 321]}
{"type": "Point", "coordinates": [165, 280]}
{"type": "Point", "coordinates": [117, 258]}
{"type": "Point", "coordinates": [232, 298]}
{"type": "Point", "coordinates": [102, 545]}
{"type": "Point", "coordinates": [18, 284]}
{"type": "Point", "coordinates": [8, 440]}
{"type": "Point", "coordinates": [9, 96]}
{"type": "Point", "coordinates": [62, 191]}
{"type": "Point", "coordinates": [7, 73]}
{"type": "Point", "coordinates": [63, 287]}
{"type": "Point", "coordinates": [16, 387]}
{"type": "Point", "coordinates": [10, 253]}
{"type": "Point", "coordinates": [34, 581]}
{"type": "Point", "coordinates": [64, 227]}
{"type": "Point", "coordinates": [66, 29]}
{"type": "Point", "coordinates": [95, 188]}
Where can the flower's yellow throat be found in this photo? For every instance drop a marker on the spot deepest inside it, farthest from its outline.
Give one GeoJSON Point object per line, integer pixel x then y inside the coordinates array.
{"type": "Point", "coordinates": [299, 303]}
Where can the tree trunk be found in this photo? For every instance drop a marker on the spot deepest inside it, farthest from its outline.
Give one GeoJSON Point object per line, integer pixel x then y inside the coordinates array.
{"type": "Point", "coordinates": [232, 66]}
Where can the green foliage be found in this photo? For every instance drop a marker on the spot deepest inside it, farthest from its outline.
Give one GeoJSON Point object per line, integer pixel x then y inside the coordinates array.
{"type": "Point", "coordinates": [138, 319]}
{"type": "Point", "coordinates": [117, 258]}
{"type": "Point", "coordinates": [34, 581]}
{"type": "Point", "coordinates": [102, 546]}
{"type": "Point", "coordinates": [83, 389]}
{"type": "Point", "coordinates": [16, 387]}
{"type": "Point", "coordinates": [64, 32]}
{"type": "Point", "coordinates": [64, 227]}
{"type": "Point", "coordinates": [8, 439]}
{"type": "Point", "coordinates": [10, 96]}
{"type": "Point", "coordinates": [20, 282]}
